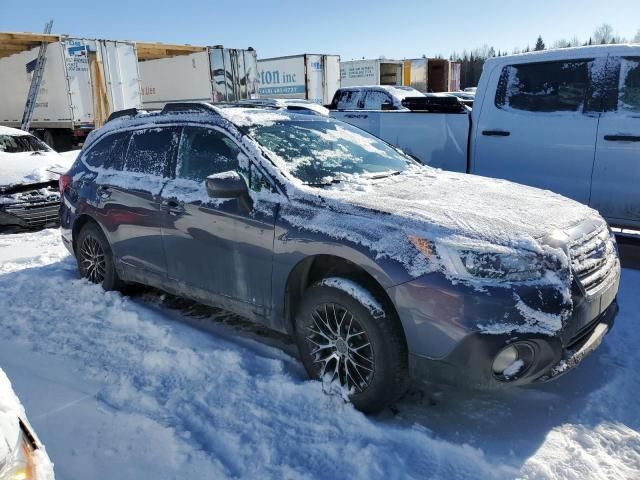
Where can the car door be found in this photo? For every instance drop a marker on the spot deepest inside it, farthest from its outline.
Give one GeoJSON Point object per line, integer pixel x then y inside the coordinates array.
{"type": "Point", "coordinates": [128, 194]}
{"type": "Point", "coordinates": [616, 176]}
{"type": "Point", "coordinates": [221, 246]}
{"type": "Point", "coordinates": [539, 128]}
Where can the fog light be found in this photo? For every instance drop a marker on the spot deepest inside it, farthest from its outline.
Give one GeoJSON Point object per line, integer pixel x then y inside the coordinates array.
{"type": "Point", "coordinates": [504, 359]}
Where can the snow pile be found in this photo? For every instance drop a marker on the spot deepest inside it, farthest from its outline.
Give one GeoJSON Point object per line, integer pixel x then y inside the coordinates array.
{"type": "Point", "coordinates": [11, 411]}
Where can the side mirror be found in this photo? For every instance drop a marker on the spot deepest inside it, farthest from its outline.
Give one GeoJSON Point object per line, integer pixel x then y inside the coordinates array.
{"type": "Point", "coordinates": [226, 185]}
{"type": "Point", "coordinates": [387, 105]}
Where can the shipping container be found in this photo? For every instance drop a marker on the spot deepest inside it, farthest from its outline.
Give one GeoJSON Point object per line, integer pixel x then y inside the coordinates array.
{"type": "Point", "coordinates": [359, 73]}
{"type": "Point", "coordinates": [84, 81]}
{"type": "Point", "coordinates": [313, 77]}
{"type": "Point", "coordinates": [205, 74]}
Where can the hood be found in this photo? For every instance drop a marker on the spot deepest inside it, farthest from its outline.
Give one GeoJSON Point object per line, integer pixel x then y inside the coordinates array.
{"type": "Point", "coordinates": [28, 168]}
{"type": "Point", "coordinates": [497, 211]}
{"type": "Point", "coordinates": [449, 209]}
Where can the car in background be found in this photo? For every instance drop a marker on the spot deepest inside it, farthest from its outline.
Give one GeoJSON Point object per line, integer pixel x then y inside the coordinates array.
{"type": "Point", "coordinates": [22, 455]}
{"type": "Point", "coordinates": [29, 171]}
{"type": "Point", "coordinates": [381, 269]}
{"type": "Point", "coordinates": [471, 90]}
{"type": "Point", "coordinates": [372, 97]}
{"type": "Point", "coordinates": [464, 97]}
{"type": "Point", "coordinates": [290, 104]}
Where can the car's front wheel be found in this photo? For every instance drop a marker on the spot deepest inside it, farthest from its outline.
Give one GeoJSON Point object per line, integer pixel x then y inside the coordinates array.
{"type": "Point", "coordinates": [344, 335]}
{"type": "Point", "coordinates": [95, 258]}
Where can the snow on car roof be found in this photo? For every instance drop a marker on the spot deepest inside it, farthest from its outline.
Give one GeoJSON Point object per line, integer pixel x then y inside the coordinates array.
{"type": "Point", "coordinates": [567, 53]}
{"type": "Point", "coordinates": [12, 131]}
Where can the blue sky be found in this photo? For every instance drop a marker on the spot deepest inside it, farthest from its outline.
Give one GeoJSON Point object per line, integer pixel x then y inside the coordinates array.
{"type": "Point", "coordinates": [351, 28]}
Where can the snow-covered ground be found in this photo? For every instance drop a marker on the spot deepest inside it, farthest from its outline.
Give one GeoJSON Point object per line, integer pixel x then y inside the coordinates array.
{"type": "Point", "coordinates": [151, 387]}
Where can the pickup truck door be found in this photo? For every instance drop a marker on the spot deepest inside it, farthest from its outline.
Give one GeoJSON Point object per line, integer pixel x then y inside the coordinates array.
{"type": "Point", "coordinates": [222, 247]}
{"type": "Point", "coordinates": [616, 174]}
{"type": "Point", "coordinates": [539, 128]}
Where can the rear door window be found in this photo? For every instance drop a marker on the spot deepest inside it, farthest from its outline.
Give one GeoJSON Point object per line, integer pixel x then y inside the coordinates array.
{"type": "Point", "coordinates": [375, 98]}
{"type": "Point", "coordinates": [109, 151]}
{"type": "Point", "coordinates": [561, 86]}
{"type": "Point", "coordinates": [151, 151]}
{"type": "Point", "coordinates": [204, 152]}
{"type": "Point", "coordinates": [629, 89]}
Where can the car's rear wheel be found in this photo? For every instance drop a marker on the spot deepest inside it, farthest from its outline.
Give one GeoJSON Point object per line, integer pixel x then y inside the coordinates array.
{"type": "Point", "coordinates": [95, 258]}
{"type": "Point", "coordinates": [343, 340]}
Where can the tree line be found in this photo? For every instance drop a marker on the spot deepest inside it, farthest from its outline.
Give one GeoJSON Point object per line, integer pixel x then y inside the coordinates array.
{"type": "Point", "coordinates": [471, 62]}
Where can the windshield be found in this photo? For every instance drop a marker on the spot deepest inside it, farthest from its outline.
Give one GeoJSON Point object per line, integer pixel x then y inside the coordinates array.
{"type": "Point", "coordinates": [21, 143]}
{"type": "Point", "coordinates": [319, 152]}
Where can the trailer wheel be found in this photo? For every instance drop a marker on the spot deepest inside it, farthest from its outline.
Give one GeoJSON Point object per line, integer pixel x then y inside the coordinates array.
{"type": "Point", "coordinates": [49, 139]}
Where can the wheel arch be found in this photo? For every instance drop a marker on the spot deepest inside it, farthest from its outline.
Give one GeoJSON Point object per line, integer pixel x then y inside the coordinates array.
{"type": "Point", "coordinates": [314, 268]}
{"type": "Point", "coordinates": [80, 222]}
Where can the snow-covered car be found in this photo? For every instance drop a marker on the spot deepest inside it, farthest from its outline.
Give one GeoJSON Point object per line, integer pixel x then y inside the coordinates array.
{"type": "Point", "coordinates": [291, 104]}
{"type": "Point", "coordinates": [22, 456]}
{"type": "Point", "coordinates": [29, 171]}
{"type": "Point", "coordinates": [471, 90]}
{"type": "Point", "coordinates": [373, 97]}
{"type": "Point", "coordinates": [381, 268]}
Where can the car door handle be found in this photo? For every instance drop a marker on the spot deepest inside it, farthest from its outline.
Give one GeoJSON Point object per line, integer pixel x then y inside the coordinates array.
{"type": "Point", "coordinates": [496, 133]}
{"type": "Point", "coordinates": [173, 207]}
{"type": "Point", "coordinates": [104, 192]}
{"type": "Point", "coordinates": [622, 138]}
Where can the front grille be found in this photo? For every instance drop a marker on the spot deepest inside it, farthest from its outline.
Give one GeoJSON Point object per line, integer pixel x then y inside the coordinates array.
{"type": "Point", "coordinates": [35, 214]}
{"type": "Point", "coordinates": [593, 259]}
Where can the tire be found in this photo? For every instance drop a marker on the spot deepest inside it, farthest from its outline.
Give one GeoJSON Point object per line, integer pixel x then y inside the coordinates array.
{"type": "Point", "coordinates": [49, 139]}
{"type": "Point", "coordinates": [377, 382]}
{"type": "Point", "coordinates": [95, 258]}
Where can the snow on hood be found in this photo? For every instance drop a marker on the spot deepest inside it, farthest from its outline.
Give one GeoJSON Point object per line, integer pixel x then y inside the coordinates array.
{"type": "Point", "coordinates": [449, 209]}
{"type": "Point", "coordinates": [28, 167]}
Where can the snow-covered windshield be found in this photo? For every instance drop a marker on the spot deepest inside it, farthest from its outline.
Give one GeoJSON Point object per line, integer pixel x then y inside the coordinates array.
{"type": "Point", "coordinates": [325, 151]}
{"type": "Point", "coordinates": [21, 143]}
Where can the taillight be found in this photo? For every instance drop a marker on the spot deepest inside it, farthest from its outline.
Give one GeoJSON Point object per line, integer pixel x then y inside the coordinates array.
{"type": "Point", "coordinates": [63, 182]}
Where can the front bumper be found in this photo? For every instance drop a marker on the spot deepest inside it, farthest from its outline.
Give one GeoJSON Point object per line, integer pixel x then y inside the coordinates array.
{"type": "Point", "coordinates": [29, 215]}
{"type": "Point", "coordinates": [454, 332]}
{"type": "Point", "coordinates": [469, 364]}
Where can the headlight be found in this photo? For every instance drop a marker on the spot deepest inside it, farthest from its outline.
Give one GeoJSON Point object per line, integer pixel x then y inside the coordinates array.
{"type": "Point", "coordinates": [22, 465]}
{"type": "Point", "coordinates": [466, 263]}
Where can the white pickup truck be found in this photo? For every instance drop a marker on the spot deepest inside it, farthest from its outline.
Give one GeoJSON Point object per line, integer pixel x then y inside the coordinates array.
{"type": "Point", "coordinates": [566, 120]}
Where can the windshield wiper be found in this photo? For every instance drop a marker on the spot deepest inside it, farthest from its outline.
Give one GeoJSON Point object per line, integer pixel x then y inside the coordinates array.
{"type": "Point", "coordinates": [324, 184]}
{"type": "Point", "coordinates": [384, 175]}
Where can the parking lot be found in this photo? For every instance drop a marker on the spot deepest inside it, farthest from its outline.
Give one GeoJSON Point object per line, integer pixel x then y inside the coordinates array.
{"type": "Point", "coordinates": [138, 386]}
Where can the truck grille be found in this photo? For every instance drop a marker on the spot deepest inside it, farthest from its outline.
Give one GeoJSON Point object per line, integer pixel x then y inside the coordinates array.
{"type": "Point", "coordinates": [593, 259]}
{"type": "Point", "coordinates": [35, 214]}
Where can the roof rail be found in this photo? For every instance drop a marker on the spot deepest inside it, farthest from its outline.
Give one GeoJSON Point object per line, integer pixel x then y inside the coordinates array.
{"type": "Point", "coordinates": [434, 104]}
{"type": "Point", "coordinates": [189, 107]}
{"type": "Point", "coordinates": [129, 112]}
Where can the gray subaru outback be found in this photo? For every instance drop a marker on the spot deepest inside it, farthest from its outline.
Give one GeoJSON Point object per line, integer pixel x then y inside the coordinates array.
{"type": "Point", "coordinates": [382, 269]}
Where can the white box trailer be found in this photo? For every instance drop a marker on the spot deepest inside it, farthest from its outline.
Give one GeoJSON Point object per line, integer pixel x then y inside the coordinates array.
{"type": "Point", "coordinates": [431, 75]}
{"type": "Point", "coordinates": [84, 81]}
{"type": "Point", "coordinates": [308, 76]}
{"type": "Point", "coordinates": [205, 74]}
{"type": "Point", "coordinates": [359, 73]}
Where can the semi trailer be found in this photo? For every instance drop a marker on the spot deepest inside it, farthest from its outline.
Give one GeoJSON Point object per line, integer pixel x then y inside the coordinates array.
{"type": "Point", "coordinates": [313, 77]}
{"type": "Point", "coordinates": [205, 74]}
{"type": "Point", "coordinates": [84, 80]}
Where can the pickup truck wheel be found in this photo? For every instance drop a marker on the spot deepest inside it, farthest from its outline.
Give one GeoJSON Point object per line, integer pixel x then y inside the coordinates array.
{"type": "Point", "coordinates": [342, 342]}
{"type": "Point", "coordinates": [95, 258]}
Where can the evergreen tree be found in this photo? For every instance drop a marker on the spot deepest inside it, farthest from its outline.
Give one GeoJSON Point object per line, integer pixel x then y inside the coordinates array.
{"type": "Point", "coordinates": [539, 44]}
